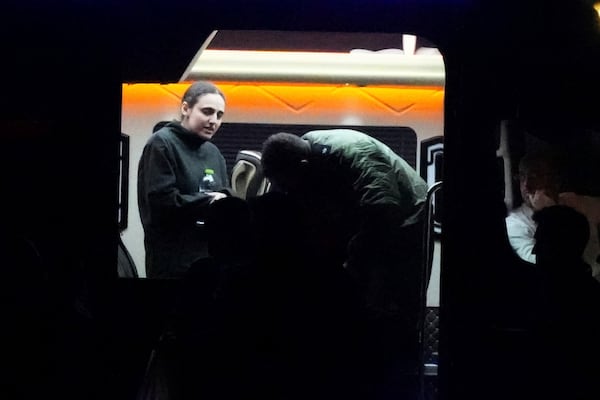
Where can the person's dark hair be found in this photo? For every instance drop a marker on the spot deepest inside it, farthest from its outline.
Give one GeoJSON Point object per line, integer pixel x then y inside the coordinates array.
{"type": "Point", "coordinates": [282, 151]}
{"type": "Point", "coordinates": [198, 89]}
{"type": "Point", "coordinates": [542, 170]}
{"type": "Point", "coordinates": [561, 230]}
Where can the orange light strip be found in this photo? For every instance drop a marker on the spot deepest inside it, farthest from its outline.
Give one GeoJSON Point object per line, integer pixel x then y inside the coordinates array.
{"type": "Point", "coordinates": [140, 94]}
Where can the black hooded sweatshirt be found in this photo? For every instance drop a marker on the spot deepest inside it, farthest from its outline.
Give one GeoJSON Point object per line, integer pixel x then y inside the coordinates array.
{"type": "Point", "coordinates": [170, 170]}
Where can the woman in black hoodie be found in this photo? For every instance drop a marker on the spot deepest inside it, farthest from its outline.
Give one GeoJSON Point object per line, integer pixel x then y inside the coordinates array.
{"type": "Point", "coordinates": [180, 173]}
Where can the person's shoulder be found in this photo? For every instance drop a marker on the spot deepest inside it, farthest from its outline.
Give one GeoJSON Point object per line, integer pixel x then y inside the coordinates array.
{"type": "Point", "coordinates": [522, 212]}
{"type": "Point", "coordinates": [157, 142]}
{"type": "Point", "coordinates": [519, 218]}
{"type": "Point", "coordinates": [589, 290]}
{"type": "Point", "coordinates": [338, 137]}
{"type": "Point", "coordinates": [162, 135]}
{"type": "Point", "coordinates": [336, 132]}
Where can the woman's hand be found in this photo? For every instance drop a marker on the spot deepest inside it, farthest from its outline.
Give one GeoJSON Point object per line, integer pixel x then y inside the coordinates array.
{"type": "Point", "coordinates": [216, 196]}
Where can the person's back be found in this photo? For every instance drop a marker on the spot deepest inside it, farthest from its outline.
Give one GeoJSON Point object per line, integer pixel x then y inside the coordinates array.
{"type": "Point", "coordinates": [569, 321]}
{"type": "Point", "coordinates": [375, 174]}
{"type": "Point", "coordinates": [370, 202]}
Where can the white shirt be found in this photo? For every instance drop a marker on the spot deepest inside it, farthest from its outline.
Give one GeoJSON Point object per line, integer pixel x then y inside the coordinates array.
{"type": "Point", "coordinates": [520, 227]}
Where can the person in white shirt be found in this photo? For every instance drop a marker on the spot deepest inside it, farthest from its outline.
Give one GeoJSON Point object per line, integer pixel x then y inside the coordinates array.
{"type": "Point", "coordinates": [539, 184]}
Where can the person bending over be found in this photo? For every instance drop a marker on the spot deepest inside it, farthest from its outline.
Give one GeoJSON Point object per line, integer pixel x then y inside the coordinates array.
{"type": "Point", "coordinates": [363, 204]}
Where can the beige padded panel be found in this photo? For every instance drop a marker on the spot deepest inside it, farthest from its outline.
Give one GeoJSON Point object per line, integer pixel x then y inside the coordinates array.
{"type": "Point", "coordinates": [242, 175]}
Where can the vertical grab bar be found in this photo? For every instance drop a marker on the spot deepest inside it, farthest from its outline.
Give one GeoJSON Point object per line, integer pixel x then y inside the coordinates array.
{"type": "Point", "coordinates": [425, 275]}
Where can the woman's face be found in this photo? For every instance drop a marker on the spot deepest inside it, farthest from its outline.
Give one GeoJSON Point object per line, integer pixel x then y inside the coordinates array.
{"type": "Point", "coordinates": [205, 117]}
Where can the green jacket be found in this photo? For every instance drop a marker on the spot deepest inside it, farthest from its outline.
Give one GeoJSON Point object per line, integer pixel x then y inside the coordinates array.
{"type": "Point", "coordinates": [375, 174]}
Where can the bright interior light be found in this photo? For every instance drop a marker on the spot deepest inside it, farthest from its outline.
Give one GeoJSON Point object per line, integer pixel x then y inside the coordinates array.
{"type": "Point", "coordinates": [309, 67]}
{"type": "Point", "coordinates": [409, 43]}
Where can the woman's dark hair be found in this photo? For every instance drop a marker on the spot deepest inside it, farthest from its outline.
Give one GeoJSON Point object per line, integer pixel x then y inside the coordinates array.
{"type": "Point", "coordinates": [198, 89]}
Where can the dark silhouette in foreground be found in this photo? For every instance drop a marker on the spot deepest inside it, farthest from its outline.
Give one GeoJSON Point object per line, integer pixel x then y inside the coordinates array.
{"type": "Point", "coordinates": [568, 318]}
